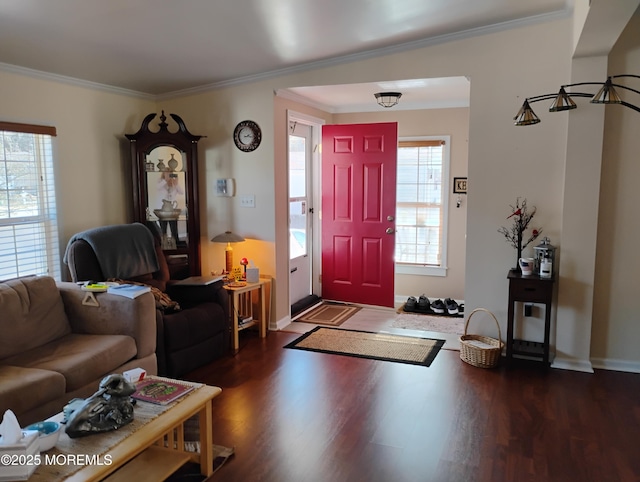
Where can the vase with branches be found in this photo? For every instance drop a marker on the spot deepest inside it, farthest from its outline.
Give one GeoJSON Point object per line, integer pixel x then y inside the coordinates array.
{"type": "Point", "coordinates": [515, 234]}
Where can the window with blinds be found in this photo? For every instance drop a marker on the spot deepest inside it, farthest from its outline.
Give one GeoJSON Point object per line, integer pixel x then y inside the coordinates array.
{"type": "Point", "coordinates": [422, 173]}
{"type": "Point", "coordinates": [28, 220]}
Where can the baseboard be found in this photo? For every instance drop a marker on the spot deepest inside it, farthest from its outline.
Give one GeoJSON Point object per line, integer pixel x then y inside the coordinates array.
{"type": "Point", "coordinates": [572, 364]}
{"type": "Point", "coordinates": [280, 324]}
{"type": "Point", "coordinates": [616, 365]}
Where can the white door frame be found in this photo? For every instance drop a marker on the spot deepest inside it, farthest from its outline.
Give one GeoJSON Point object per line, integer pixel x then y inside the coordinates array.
{"type": "Point", "coordinates": [316, 192]}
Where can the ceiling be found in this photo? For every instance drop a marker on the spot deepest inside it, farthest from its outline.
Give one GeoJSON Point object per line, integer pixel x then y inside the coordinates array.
{"type": "Point", "coordinates": [169, 47]}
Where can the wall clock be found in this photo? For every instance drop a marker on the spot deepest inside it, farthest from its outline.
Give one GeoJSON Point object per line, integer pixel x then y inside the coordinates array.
{"type": "Point", "coordinates": [247, 136]}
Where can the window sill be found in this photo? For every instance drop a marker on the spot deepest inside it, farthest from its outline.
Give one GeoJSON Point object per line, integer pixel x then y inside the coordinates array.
{"type": "Point", "coordinates": [421, 270]}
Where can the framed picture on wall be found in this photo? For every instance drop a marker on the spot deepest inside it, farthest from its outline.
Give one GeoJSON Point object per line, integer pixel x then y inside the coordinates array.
{"type": "Point", "coordinates": [460, 185]}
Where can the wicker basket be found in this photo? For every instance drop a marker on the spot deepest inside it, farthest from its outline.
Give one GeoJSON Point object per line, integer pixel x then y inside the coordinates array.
{"type": "Point", "coordinates": [480, 351]}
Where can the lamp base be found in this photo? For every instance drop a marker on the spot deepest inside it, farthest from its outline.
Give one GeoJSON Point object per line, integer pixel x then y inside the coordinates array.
{"type": "Point", "coordinates": [228, 258]}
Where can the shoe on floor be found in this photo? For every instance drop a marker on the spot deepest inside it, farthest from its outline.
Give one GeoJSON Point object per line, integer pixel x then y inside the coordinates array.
{"type": "Point", "coordinates": [452, 306]}
{"type": "Point", "coordinates": [423, 303]}
{"type": "Point", "coordinates": [411, 304]}
{"type": "Point", "coordinates": [438, 306]}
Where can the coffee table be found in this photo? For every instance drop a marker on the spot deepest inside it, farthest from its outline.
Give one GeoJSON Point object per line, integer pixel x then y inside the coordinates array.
{"type": "Point", "coordinates": [152, 451]}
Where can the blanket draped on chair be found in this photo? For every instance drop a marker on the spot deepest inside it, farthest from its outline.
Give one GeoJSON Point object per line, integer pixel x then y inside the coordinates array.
{"type": "Point", "coordinates": [107, 242]}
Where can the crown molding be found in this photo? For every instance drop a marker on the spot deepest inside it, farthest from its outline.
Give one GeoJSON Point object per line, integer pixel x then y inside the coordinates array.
{"type": "Point", "coordinates": [63, 79]}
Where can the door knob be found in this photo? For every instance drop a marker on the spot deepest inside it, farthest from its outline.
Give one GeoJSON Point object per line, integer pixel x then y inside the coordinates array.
{"type": "Point", "coordinates": [390, 218]}
{"type": "Point", "coordinates": [390, 231]}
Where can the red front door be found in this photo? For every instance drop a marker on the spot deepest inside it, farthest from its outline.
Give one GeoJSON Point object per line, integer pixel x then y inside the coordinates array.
{"type": "Point", "coordinates": [358, 212]}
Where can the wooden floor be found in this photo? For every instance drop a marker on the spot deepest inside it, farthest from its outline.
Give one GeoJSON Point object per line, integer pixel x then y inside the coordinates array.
{"type": "Point", "coordinates": [296, 416]}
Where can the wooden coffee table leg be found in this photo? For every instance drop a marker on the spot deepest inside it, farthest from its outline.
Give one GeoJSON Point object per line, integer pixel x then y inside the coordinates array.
{"type": "Point", "coordinates": [206, 440]}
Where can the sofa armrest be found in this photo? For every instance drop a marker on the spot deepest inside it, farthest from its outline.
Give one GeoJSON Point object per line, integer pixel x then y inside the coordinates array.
{"type": "Point", "coordinates": [115, 315]}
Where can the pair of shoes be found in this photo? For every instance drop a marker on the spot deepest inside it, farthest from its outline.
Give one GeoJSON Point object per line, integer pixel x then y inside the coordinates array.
{"type": "Point", "coordinates": [452, 306]}
{"type": "Point", "coordinates": [449, 305]}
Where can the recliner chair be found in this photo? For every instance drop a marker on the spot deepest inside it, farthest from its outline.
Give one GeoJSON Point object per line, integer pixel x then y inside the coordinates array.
{"type": "Point", "coordinates": [193, 336]}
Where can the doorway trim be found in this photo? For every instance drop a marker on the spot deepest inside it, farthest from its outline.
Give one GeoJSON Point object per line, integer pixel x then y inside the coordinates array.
{"type": "Point", "coordinates": [316, 124]}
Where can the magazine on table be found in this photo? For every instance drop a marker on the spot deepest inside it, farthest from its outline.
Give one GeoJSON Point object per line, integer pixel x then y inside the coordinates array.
{"type": "Point", "coordinates": [128, 290]}
{"type": "Point", "coordinates": [161, 390]}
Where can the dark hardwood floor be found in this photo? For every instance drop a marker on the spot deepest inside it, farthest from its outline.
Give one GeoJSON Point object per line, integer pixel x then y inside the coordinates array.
{"type": "Point", "coordinates": [296, 416]}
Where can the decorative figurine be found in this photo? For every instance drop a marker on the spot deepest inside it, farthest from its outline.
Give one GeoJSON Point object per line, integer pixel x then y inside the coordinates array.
{"type": "Point", "coordinates": [110, 408]}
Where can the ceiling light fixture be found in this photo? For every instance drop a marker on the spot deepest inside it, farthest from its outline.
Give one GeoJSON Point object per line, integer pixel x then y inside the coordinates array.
{"type": "Point", "coordinates": [388, 99]}
{"type": "Point", "coordinates": [562, 100]}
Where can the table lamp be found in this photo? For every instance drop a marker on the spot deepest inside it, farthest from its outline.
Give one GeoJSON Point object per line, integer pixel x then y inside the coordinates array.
{"type": "Point", "coordinates": [228, 237]}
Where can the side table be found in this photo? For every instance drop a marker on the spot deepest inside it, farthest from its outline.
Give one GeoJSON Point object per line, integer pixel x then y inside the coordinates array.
{"type": "Point", "coordinates": [531, 289]}
{"type": "Point", "coordinates": [241, 303]}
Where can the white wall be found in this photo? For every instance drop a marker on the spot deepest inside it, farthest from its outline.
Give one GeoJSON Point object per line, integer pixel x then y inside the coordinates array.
{"type": "Point", "coordinates": [616, 323]}
{"type": "Point", "coordinates": [91, 152]}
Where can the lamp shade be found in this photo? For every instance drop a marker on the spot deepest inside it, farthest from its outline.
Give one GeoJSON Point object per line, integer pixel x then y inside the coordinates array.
{"type": "Point", "coordinates": [606, 95]}
{"type": "Point", "coordinates": [526, 116]}
{"type": "Point", "coordinates": [562, 102]}
{"type": "Point", "coordinates": [227, 237]}
{"type": "Point", "coordinates": [388, 99]}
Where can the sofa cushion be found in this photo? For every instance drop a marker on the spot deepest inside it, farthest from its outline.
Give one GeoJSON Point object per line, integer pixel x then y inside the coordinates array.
{"type": "Point", "coordinates": [32, 314]}
{"type": "Point", "coordinates": [23, 389]}
{"type": "Point", "coordinates": [81, 359]}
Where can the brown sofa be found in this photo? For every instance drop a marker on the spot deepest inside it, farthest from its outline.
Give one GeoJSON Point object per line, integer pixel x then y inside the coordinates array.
{"type": "Point", "coordinates": [54, 348]}
{"type": "Point", "coordinates": [188, 338]}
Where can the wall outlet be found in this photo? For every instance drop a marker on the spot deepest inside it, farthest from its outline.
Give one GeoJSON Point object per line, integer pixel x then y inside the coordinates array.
{"type": "Point", "coordinates": [248, 201]}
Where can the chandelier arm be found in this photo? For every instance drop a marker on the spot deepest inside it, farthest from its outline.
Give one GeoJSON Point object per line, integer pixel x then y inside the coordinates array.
{"type": "Point", "coordinates": [625, 75]}
{"type": "Point", "coordinates": [626, 88]}
{"type": "Point", "coordinates": [630, 106]}
{"type": "Point", "coordinates": [538, 98]}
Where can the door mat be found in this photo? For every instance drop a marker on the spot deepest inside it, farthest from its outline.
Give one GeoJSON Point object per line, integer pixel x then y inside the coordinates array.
{"type": "Point", "coordinates": [440, 324]}
{"type": "Point", "coordinates": [327, 313]}
{"type": "Point", "coordinates": [374, 346]}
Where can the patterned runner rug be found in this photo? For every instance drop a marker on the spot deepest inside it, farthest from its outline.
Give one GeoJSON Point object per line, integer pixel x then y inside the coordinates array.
{"type": "Point", "coordinates": [328, 313]}
{"type": "Point", "coordinates": [375, 346]}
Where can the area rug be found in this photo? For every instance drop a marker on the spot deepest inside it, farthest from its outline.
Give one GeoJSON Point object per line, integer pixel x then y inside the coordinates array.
{"type": "Point", "coordinates": [327, 313]}
{"type": "Point", "coordinates": [440, 324]}
{"type": "Point", "coordinates": [364, 344]}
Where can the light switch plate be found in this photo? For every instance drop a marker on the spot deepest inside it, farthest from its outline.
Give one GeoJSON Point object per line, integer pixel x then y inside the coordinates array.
{"type": "Point", "coordinates": [248, 201]}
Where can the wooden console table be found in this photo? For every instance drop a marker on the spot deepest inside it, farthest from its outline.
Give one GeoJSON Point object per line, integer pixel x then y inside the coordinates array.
{"type": "Point", "coordinates": [529, 289]}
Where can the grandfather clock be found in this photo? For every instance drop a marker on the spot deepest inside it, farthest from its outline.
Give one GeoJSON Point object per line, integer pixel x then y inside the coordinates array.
{"type": "Point", "coordinates": [164, 169]}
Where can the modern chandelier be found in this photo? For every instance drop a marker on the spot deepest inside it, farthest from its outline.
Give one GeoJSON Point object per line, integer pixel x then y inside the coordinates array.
{"type": "Point", "coordinates": [607, 94]}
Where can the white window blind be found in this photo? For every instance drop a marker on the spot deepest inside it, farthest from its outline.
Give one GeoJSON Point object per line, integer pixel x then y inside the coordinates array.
{"type": "Point", "coordinates": [420, 201]}
{"type": "Point", "coordinates": [28, 218]}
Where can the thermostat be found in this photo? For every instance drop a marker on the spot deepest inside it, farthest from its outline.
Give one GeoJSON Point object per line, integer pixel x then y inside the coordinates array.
{"type": "Point", "coordinates": [225, 187]}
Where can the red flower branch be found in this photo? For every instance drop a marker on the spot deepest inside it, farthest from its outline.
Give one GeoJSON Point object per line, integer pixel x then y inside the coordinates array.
{"type": "Point", "coordinates": [522, 219]}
